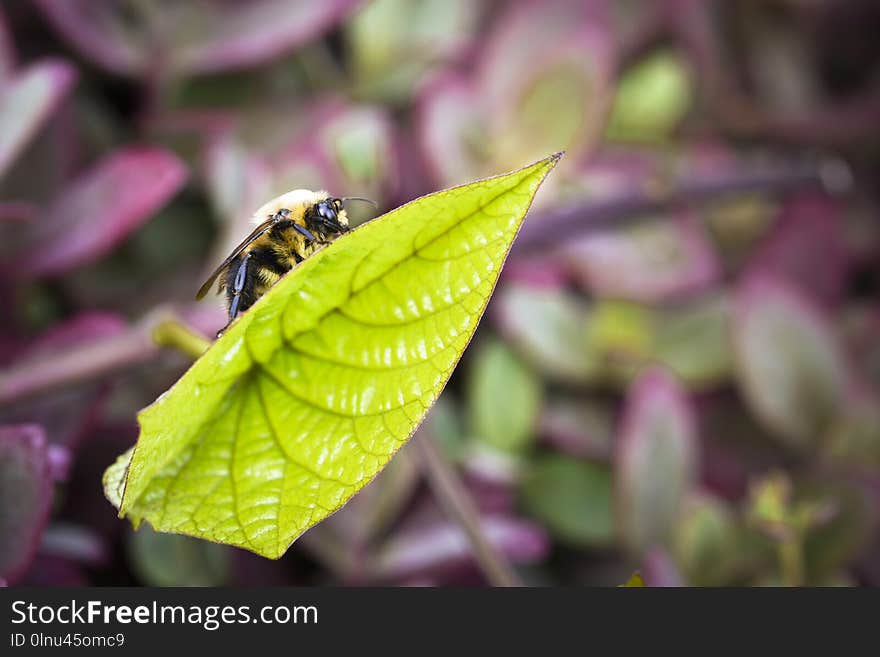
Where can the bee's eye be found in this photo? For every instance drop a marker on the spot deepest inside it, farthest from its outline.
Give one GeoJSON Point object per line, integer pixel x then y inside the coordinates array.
{"type": "Point", "coordinates": [326, 211]}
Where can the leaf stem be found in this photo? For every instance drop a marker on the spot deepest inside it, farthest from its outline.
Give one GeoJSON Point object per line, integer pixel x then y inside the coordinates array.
{"type": "Point", "coordinates": [455, 500]}
{"type": "Point", "coordinates": [791, 559]}
{"type": "Point", "coordinates": [83, 363]}
{"type": "Point", "coordinates": [172, 332]}
{"type": "Point", "coordinates": [98, 359]}
{"type": "Point", "coordinates": [830, 176]}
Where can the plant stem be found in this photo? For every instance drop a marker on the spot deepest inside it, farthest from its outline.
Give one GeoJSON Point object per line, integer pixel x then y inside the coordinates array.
{"type": "Point", "coordinates": [791, 559]}
{"type": "Point", "coordinates": [830, 176]}
{"type": "Point", "coordinates": [95, 360]}
{"type": "Point", "coordinates": [83, 363]}
{"type": "Point", "coordinates": [174, 333]}
{"type": "Point", "coordinates": [457, 503]}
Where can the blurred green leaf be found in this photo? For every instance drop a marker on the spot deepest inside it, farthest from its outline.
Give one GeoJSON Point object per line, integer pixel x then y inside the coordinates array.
{"type": "Point", "coordinates": [706, 546]}
{"type": "Point", "coordinates": [855, 435]}
{"type": "Point", "coordinates": [504, 398]}
{"type": "Point", "coordinates": [573, 499]}
{"type": "Point", "coordinates": [691, 339]}
{"type": "Point", "coordinates": [789, 363]}
{"type": "Point", "coordinates": [446, 426]}
{"type": "Point", "coordinates": [173, 560]}
{"type": "Point", "coordinates": [737, 222]}
{"type": "Point", "coordinates": [580, 427]}
{"type": "Point", "coordinates": [845, 532]}
{"type": "Point", "coordinates": [656, 461]}
{"type": "Point", "coordinates": [621, 331]}
{"type": "Point", "coordinates": [360, 142]}
{"type": "Point", "coordinates": [306, 397]}
{"type": "Point", "coordinates": [652, 98]}
{"type": "Point", "coordinates": [549, 327]}
{"type": "Point", "coordinates": [694, 341]}
{"type": "Point", "coordinates": [394, 42]}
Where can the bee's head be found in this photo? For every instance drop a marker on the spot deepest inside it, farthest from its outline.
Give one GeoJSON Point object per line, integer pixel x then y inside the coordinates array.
{"type": "Point", "coordinates": [327, 217]}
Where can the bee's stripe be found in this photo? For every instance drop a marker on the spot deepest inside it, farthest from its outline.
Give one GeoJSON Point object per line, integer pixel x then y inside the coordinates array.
{"type": "Point", "coordinates": [265, 257]}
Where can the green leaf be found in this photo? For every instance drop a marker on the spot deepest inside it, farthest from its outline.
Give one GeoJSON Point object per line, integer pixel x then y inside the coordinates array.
{"type": "Point", "coordinates": [652, 99]}
{"type": "Point", "coordinates": [656, 460]}
{"type": "Point", "coordinates": [548, 327]}
{"type": "Point", "coordinates": [310, 393]}
{"type": "Point", "coordinates": [572, 499]}
{"type": "Point", "coordinates": [705, 543]}
{"type": "Point", "coordinates": [790, 364]}
{"type": "Point", "coordinates": [693, 340]}
{"type": "Point", "coordinates": [505, 398]}
{"type": "Point", "coordinates": [171, 560]}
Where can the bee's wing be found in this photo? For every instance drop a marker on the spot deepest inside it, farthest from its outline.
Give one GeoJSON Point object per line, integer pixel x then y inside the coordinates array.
{"type": "Point", "coordinates": [258, 231]}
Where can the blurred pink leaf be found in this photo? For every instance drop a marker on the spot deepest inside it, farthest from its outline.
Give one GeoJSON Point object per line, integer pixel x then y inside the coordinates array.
{"type": "Point", "coordinates": [97, 30]}
{"type": "Point", "coordinates": [65, 415]}
{"type": "Point", "coordinates": [441, 548]}
{"type": "Point", "coordinates": [656, 460]}
{"type": "Point", "coordinates": [449, 123]}
{"type": "Point", "coordinates": [101, 208]}
{"type": "Point", "coordinates": [7, 51]}
{"type": "Point", "coordinates": [659, 570]}
{"type": "Point", "coordinates": [620, 173]}
{"type": "Point", "coordinates": [196, 37]}
{"type": "Point", "coordinates": [75, 542]}
{"type": "Point", "coordinates": [651, 262]}
{"type": "Point", "coordinates": [790, 366]}
{"type": "Point", "coordinates": [247, 34]}
{"type": "Point", "coordinates": [26, 101]}
{"type": "Point", "coordinates": [545, 79]}
{"type": "Point", "coordinates": [579, 427]}
{"type": "Point", "coordinates": [542, 83]}
{"type": "Point", "coordinates": [60, 462]}
{"type": "Point", "coordinates": [809, 232]}
{"type": "Point", "coordinates": [92, 326]}
{"type": "Point", "coordinates": [25, 496]}
{"type": "Point", "coordinates": [17, 211]}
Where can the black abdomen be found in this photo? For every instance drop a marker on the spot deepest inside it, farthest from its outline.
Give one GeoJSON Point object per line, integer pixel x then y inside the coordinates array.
{"type": "Point", "coordinates": [259, 259]}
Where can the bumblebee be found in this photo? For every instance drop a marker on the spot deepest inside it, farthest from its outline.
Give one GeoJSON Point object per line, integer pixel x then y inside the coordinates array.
{"type": "Point", "coordinates": [289, 229]}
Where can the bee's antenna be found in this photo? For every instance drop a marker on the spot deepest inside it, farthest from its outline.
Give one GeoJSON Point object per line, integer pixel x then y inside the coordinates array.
{"type": "Point", "coordinates": [358, 198]}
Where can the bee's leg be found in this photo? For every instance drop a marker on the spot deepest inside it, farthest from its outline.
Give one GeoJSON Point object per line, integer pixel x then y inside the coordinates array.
{"type": "Point", "coordinates": [235, 290]}
{"type": "Point", "coordinates": [305, 232]}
